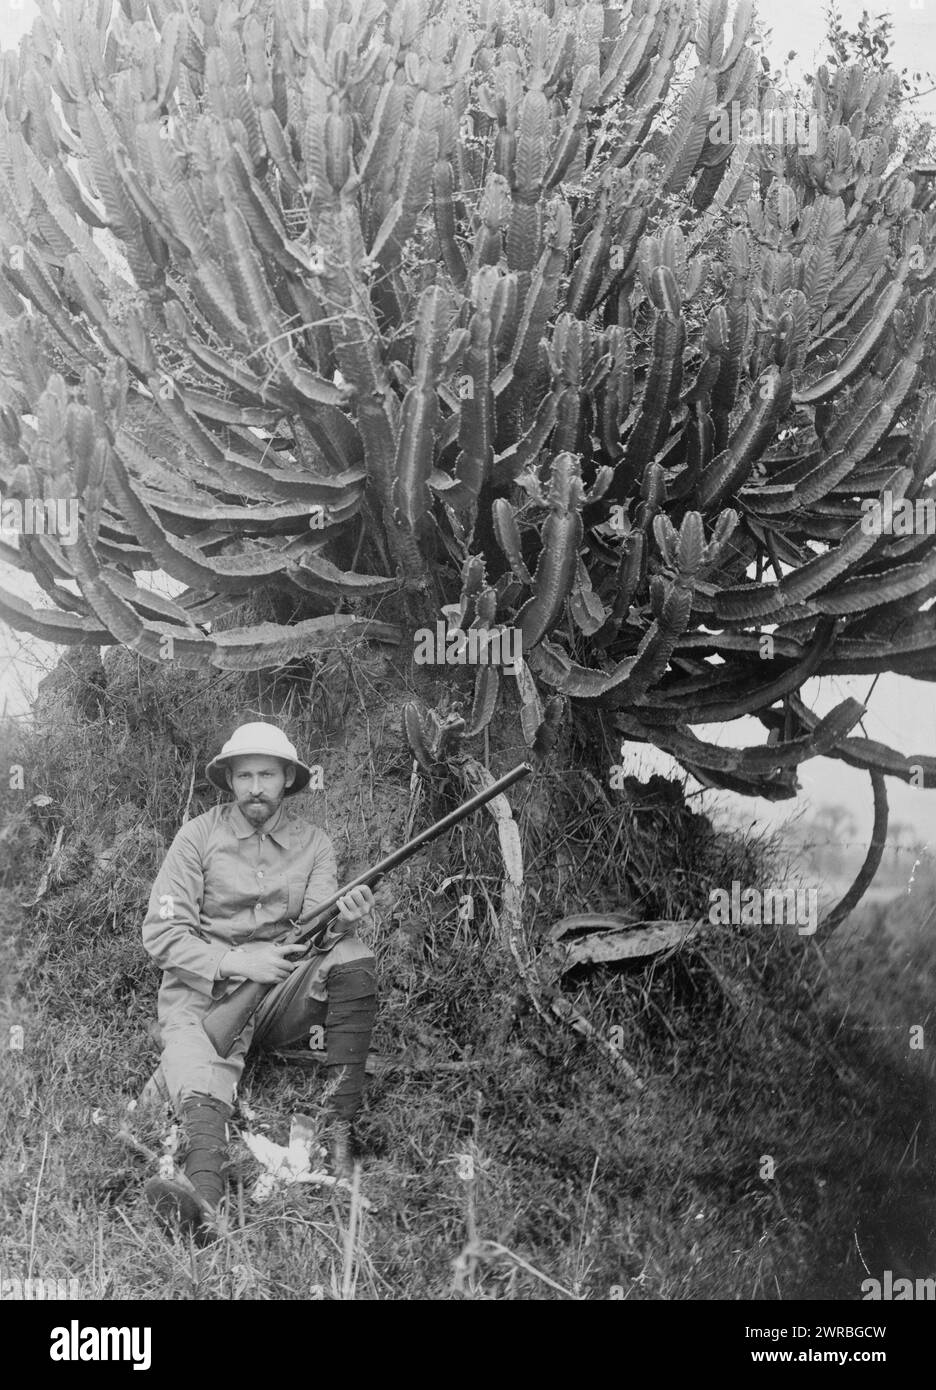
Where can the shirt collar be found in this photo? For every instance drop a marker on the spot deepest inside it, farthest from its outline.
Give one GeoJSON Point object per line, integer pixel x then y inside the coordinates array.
{"type": "Point", "coordinates": [277, 828]}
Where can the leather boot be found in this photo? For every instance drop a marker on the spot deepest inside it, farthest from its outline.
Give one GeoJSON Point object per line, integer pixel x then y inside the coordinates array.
{"type": "Point", "coordinates": [191, 1201]}
{"type": "Point", "coordinates": [176, 1202]}
{"type": "Point", "coordinates": [349, 1023]}
{"type": "Point", "coordinates": [340, 1149]}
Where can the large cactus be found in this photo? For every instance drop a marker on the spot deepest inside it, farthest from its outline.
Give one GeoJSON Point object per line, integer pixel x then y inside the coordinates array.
{"type": "Point", "coordinates": [441, 290]}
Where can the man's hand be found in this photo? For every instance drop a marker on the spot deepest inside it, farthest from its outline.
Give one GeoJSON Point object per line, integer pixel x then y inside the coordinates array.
{"type": "Point", "coordinates": [356, 904]}
{"type": "Point", "coordinates": [262, 961]}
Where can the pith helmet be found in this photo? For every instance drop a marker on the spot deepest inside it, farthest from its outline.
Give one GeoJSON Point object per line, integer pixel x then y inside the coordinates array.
{"type": "Point", "coordinates": [265, 739]}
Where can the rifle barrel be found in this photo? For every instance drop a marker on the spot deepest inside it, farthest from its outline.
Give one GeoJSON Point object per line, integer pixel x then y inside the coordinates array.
{"type": "Point", "coordinates": [424, 837]}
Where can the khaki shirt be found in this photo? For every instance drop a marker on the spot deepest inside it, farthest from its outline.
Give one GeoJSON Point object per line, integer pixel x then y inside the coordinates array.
{"type": "Point", "coordinates": [224, 882]}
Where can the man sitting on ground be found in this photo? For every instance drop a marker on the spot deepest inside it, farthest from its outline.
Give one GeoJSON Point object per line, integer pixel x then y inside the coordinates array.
{"type": "Point", "coordinates": [231, 883]}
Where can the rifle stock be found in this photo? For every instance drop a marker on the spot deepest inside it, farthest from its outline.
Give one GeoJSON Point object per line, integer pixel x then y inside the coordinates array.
{"type": "Point", "coordinates": [227, 1018]}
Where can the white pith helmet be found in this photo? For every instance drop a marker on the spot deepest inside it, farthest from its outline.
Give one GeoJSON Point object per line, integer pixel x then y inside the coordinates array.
{"type": "Point", "coordinates": [260, 738]}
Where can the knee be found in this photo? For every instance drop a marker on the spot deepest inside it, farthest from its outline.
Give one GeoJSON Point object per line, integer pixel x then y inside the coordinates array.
{"type": "Point", "coordinates": [205, 1118]}
{"type": "Point", "coordinates": [352, 980]}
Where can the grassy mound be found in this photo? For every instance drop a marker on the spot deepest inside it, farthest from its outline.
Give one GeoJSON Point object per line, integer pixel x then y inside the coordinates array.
{"type": "Point", "coordinates": [505, 1157]}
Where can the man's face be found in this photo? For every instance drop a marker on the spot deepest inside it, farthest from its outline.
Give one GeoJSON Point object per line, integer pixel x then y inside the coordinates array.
{"type": "Point", "coordinates": [259, 785]}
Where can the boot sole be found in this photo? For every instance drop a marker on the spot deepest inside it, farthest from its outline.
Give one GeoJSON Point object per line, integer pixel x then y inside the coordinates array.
{"type": "Point", "coordinates": [173, 1204]}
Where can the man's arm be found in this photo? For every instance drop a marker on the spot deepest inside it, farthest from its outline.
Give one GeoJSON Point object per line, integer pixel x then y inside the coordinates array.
{"type": "Point", "coordinates": [172, 918]}
{"type": "Point", "coordinates": [323, 882]}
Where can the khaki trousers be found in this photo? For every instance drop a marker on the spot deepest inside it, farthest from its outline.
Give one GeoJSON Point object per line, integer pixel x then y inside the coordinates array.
{"type": "Point", "coordinates": [191, 1066]}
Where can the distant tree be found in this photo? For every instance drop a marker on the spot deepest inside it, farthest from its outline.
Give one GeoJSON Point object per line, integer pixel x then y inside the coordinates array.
{"type": "Point", "coordinates": [835, 823]}
{"type": "Point", "coordinates": [870, 44]}
{"type": "Point", "coordinates": [833, 832]}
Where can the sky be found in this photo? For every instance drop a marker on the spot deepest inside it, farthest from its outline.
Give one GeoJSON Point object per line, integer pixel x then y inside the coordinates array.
{"type": "Point", "coordinates": [902, 712]}
{"type": "Point", "coordinates": [799, 25]}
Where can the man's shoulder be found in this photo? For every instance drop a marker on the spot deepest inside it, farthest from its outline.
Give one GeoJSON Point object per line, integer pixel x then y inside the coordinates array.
{"type": "Point", "coordinates": [197, 827]}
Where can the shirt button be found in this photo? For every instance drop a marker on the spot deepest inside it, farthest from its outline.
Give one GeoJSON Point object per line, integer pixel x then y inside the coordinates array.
{"type": "Point", "coordinates": [258, 907]}
{"type": "Point", "coordinates": [259, 873]}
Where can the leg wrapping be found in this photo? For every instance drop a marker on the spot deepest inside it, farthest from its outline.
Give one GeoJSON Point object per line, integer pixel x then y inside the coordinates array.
{"type": "Point", "coordinates": [205, 1130]}
{"type": "Point", "coordinates": [349, 1023]}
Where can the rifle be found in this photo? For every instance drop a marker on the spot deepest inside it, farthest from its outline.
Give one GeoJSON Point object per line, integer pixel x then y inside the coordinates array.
{"type": "Point", "coordinates": [227, 1018]}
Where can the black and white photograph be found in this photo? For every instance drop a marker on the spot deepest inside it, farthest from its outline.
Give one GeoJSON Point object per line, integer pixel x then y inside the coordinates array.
{"type": "Point", "coordinates": [467, 661]}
